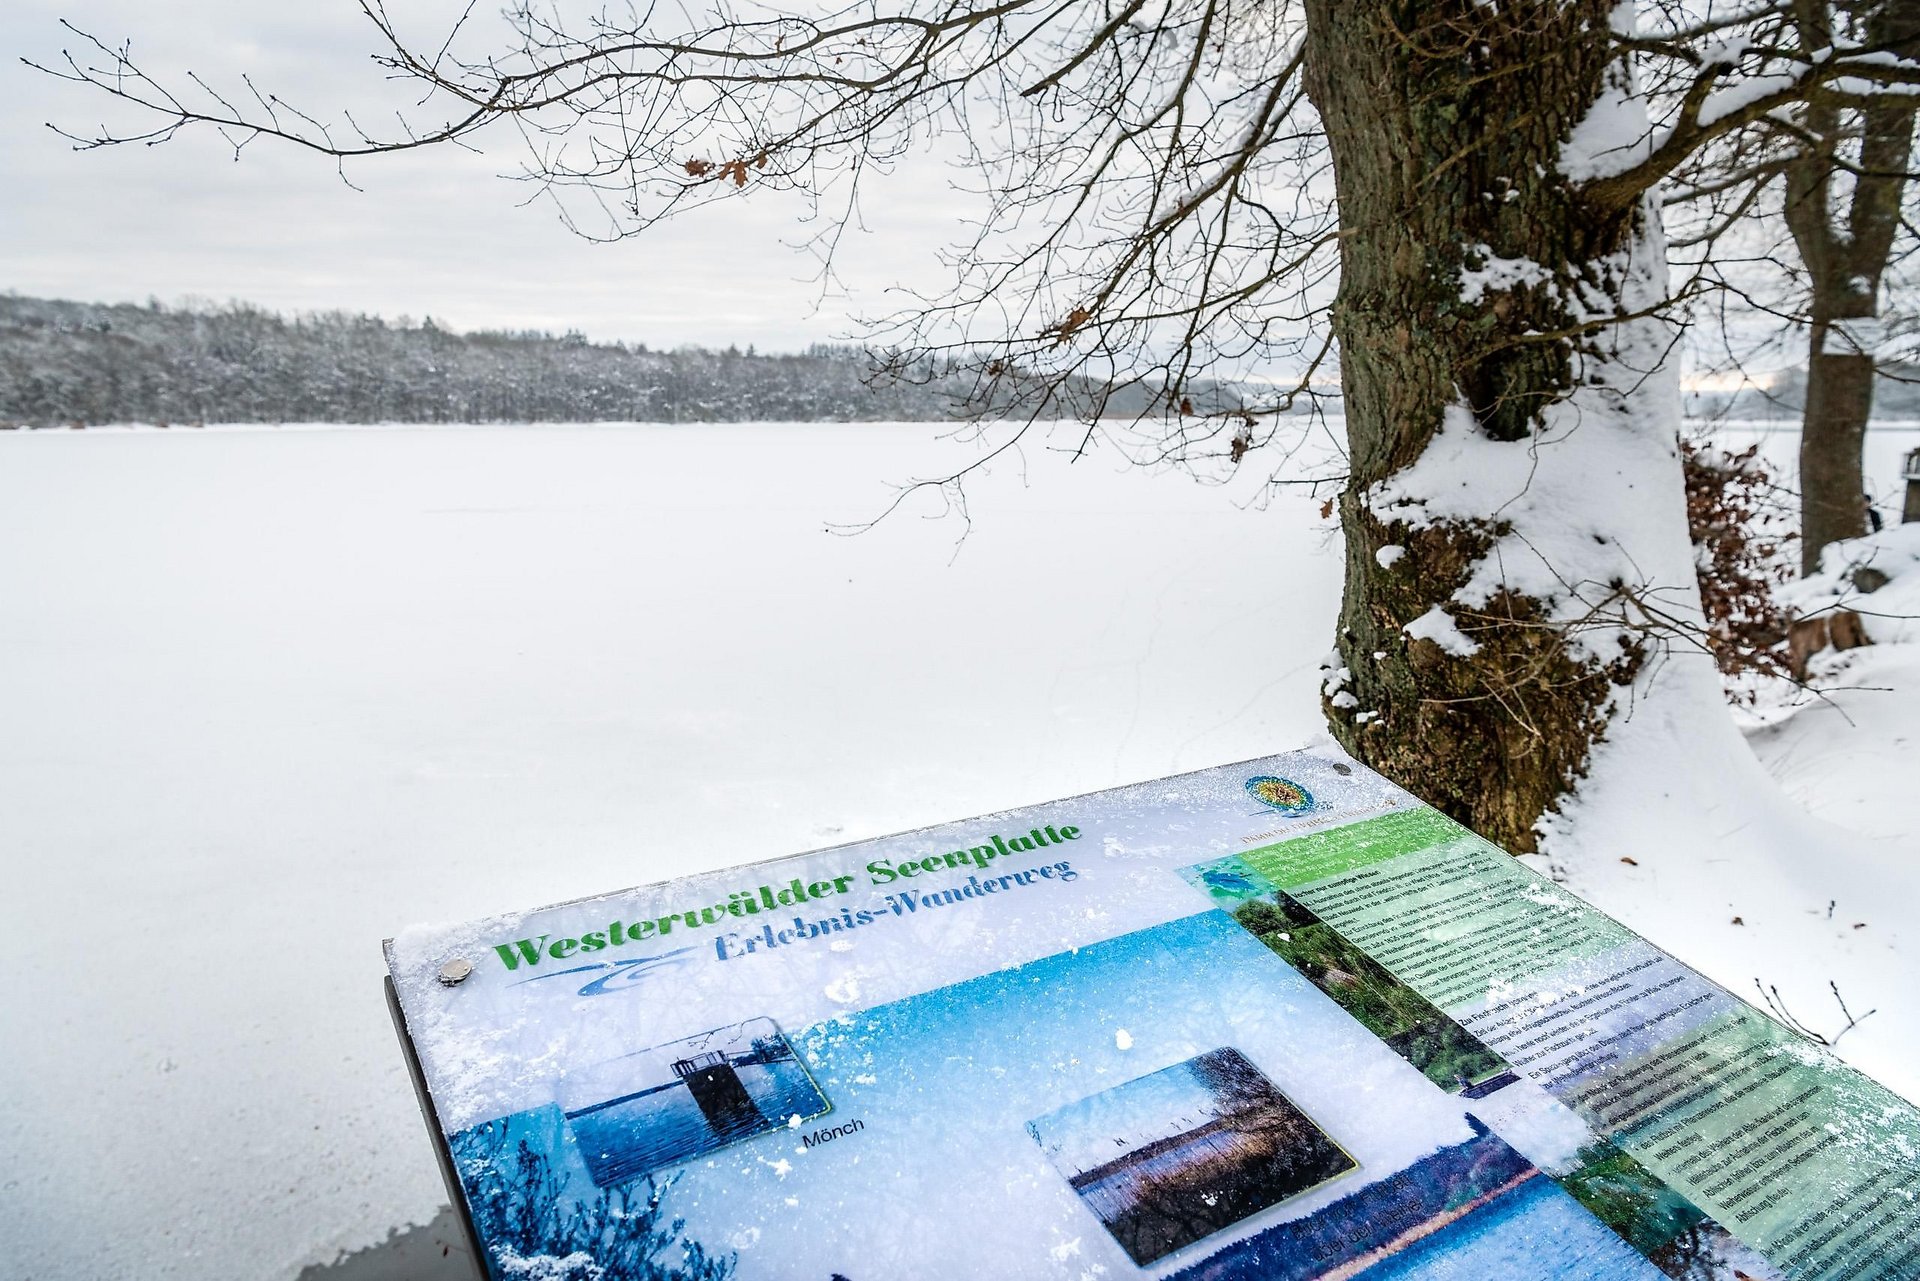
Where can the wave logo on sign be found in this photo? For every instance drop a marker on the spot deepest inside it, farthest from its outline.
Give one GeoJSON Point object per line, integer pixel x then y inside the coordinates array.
{"type": "Point", "coordinates": [620, 975]}
{"type": "Point", "coordinates": [1281, 794]}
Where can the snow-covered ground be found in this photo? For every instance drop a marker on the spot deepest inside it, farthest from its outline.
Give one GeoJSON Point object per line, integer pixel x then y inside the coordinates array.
{"type": "Point", "coordinates": [267, 696]}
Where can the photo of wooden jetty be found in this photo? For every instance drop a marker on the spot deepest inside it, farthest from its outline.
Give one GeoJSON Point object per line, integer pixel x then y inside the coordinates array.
{"type": "Point", "coordinates": [657, 1107]}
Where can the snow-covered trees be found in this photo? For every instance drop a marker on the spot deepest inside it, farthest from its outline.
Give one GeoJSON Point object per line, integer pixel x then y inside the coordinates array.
{"type": "Point", "coordinates": [63, 362]}
{"type": "Point", "coordinates": [1175, 186]}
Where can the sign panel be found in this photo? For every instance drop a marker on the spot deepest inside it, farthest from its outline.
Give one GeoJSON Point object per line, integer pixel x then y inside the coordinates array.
{"type": "Point", "coordinates": [1275, 1020]}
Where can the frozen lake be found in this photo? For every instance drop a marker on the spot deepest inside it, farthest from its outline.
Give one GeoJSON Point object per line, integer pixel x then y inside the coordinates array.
{"type": "Point", "coordinates": [267, 696]}
{"type": "Point", "coordinates": [1886, 444]}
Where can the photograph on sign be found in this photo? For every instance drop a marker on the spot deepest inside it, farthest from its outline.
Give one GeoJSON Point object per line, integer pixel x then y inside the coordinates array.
{"type": "Point", "coordinates": [1446, 1053]}
{"type": "Point", "coordinates": [639, 1112]}
{"type": "Point", "coordinates": [1178, 1154]}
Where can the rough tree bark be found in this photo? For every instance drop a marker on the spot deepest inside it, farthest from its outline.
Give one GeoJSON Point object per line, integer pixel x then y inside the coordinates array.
{"type": "Point", "coordinates": [1845, 254]}
{"type": "Point", "coordinates": [1447, 123]}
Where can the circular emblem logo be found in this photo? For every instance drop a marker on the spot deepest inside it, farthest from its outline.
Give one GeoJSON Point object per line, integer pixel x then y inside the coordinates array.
{"type": "Point", "coordinates": [1282, 794]}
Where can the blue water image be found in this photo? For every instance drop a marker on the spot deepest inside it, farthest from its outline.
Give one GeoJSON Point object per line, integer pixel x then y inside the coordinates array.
{"type": "Point", "coordinates": [1525, 1228]}
{"type": "Point", "coordinates": [1534, 1231]}
{"type": "Point", "coordinates": [668, 1123]}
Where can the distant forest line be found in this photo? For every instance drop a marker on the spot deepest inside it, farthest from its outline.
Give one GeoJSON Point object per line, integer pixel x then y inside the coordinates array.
{"type": "Point", "coordinates": [63, 363]}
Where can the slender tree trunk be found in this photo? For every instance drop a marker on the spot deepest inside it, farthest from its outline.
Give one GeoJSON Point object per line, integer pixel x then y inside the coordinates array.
{"type": "Point", "coordinates": [1833, 437]}
{"type": "Point", "coordinates": [1845, 256]}
{"type": "Point", "coordinates": [1490, 380]}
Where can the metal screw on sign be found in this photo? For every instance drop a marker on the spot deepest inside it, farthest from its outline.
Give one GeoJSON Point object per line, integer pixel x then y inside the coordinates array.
{"type": "Point", "coordinates": [456, 971]}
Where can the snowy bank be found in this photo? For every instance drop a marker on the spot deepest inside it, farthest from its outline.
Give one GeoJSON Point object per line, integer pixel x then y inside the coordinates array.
{"type": "Point", "coordinates": [1783, 861]}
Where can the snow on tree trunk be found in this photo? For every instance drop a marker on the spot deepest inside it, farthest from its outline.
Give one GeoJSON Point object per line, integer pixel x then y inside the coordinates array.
{"type": "Point", "coordinates": [1515, 522]}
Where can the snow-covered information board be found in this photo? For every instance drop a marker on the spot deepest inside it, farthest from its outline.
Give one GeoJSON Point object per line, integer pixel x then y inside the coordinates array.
{"type": "Point", "coordinates": [1276, 1020]}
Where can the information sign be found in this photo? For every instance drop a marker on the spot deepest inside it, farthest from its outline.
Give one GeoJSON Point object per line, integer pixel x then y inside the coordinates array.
{"type": "Point", "coordinates": [1277, 1020]}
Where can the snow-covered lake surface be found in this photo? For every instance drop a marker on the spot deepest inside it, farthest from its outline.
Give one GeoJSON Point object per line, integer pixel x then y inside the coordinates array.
{"type": "Point", "coordinates": [267, 696]}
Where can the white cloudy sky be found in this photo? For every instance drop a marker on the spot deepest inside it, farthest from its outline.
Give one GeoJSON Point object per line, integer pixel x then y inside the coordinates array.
{"type": "Point", "coordinates": [437, 233]}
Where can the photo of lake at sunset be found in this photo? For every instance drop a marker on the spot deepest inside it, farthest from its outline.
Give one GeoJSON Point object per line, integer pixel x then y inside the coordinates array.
{"type": "Point", "coordinates": [1175, 1156]}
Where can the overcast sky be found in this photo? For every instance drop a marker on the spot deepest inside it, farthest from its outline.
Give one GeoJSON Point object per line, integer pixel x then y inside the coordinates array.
{"type": "Point", "coordinates": [431, 233]}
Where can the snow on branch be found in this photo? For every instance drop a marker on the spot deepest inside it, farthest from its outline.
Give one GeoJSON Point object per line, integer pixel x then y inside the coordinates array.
{"type": "Point", "coordinates": [1678, 91]}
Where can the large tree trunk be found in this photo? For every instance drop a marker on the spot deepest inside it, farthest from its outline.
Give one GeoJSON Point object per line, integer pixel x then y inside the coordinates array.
{"type": "Point", "coordinates": [1515, 494]}
{"type": "Point", "coordinates": [1845, 257]}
